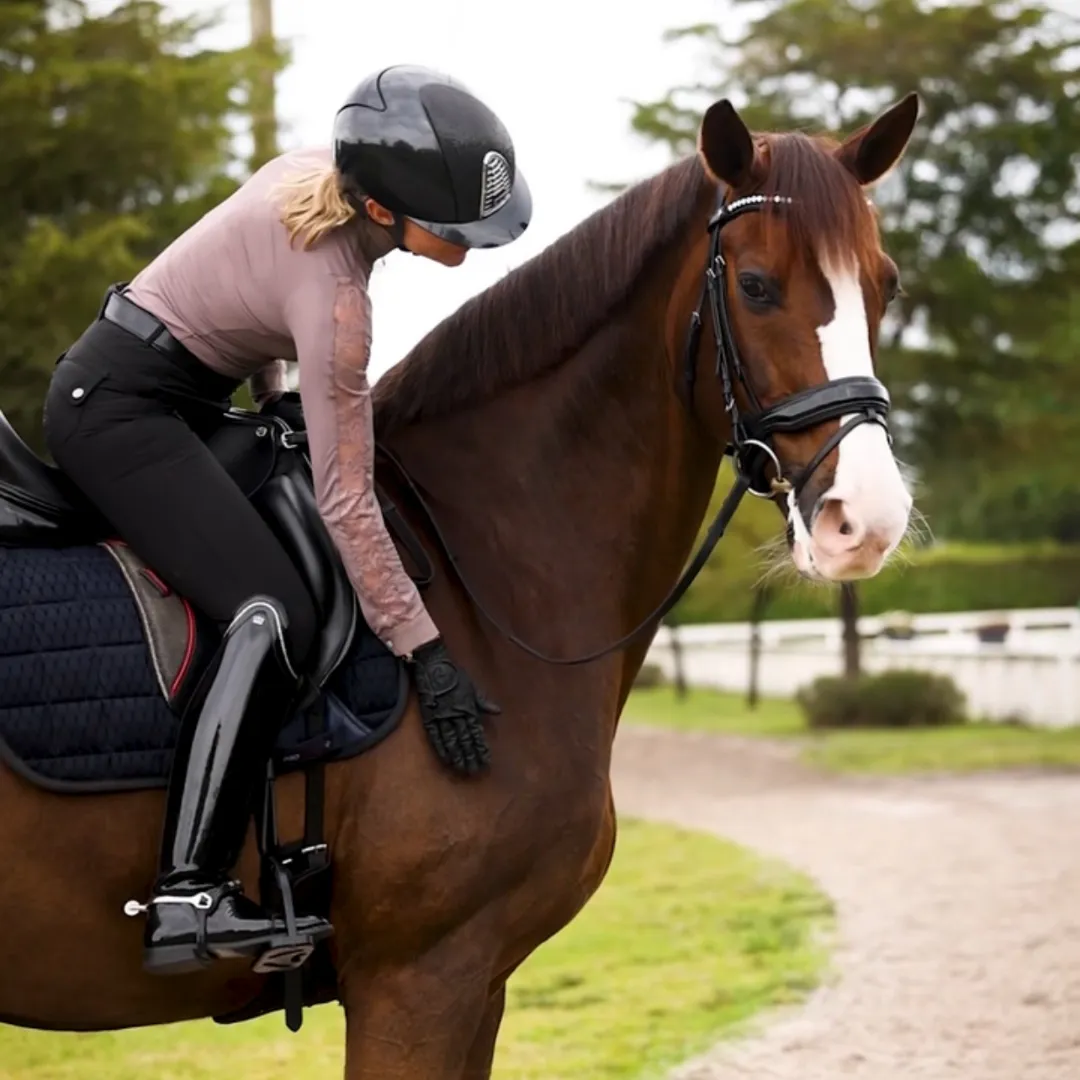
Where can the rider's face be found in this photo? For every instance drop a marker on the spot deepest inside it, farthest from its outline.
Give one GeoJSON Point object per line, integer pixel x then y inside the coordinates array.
{"type": "Point", "coordinates": [417, 239]}
{"type": "Point", "coordinates": [421, 242]}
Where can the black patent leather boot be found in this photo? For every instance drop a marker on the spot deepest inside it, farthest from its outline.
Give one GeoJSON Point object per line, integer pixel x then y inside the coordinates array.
{"type": "Point", "coordinates": [196, 913]}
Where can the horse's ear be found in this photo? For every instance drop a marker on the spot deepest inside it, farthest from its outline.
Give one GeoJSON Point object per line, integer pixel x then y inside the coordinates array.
{"type": "Point", "coordinates": [873, 150]}
{"type": "Point", "coordinates": [725, 145]}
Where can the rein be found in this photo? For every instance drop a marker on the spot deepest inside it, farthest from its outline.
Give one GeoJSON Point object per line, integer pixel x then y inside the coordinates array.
{"type": "Point", "coordinates": [716, 530]}
{"type": "Point", "coordinates": [859, 398]}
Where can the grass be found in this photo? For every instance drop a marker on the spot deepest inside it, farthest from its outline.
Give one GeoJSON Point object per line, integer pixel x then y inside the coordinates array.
{"type": "Point", "coordinates": [713, 710]}
{"type": "Point", "coordinates": [967, 748]}
{"type": "Point", "coordinates": [687, 938]}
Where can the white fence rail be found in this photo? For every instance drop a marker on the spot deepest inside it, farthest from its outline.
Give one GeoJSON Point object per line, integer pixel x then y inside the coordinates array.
{"type": "Point", "coordinates": [1033, 674]}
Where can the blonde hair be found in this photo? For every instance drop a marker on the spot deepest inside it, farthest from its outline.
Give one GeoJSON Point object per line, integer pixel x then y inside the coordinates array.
{"type": "Point", "coordinates": [314, 205]}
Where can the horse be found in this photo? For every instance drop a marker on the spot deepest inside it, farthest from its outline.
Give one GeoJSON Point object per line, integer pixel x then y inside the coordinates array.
{"type": "Point", "coordinates": [553, 445]}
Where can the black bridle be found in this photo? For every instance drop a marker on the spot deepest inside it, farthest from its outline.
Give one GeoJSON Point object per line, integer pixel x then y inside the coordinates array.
{"type": "Point", "coordinates": [861, 399]}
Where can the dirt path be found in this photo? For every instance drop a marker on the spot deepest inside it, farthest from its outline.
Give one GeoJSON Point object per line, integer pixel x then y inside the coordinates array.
{"type": "Point", "coordinates": [958, 903]}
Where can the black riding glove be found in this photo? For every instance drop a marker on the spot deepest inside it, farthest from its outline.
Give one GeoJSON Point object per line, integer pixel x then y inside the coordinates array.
{"type": "Point", "coordinates": [287, 407]}
{"type": "Point", "coordinates": [450, 707]}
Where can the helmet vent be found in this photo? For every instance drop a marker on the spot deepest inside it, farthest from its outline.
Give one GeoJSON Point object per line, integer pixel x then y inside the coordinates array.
{"type": "Point", "coordinates": [495, 184]}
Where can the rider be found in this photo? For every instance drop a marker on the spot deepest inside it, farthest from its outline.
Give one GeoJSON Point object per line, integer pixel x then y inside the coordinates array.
{"type": "Point", "coordinates": [278, 271]}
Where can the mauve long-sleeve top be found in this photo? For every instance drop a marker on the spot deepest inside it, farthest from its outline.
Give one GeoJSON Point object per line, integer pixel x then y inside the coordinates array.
{"type": "Point", "coordinates": [243, 300]}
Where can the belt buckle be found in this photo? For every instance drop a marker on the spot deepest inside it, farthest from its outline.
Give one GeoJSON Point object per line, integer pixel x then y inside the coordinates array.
{"type": "Point", "coordinates": [116, 289]}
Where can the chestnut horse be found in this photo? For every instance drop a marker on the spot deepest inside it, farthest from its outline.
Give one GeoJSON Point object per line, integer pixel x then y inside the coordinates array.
{"type": "Point", "coordinates": [567, 443]}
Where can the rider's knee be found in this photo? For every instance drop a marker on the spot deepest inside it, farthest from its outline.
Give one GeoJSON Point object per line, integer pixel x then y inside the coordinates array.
{"type": "Point", "coordinates": [291, 611]}
{"type": "Point", "coordinates": [303, 622]}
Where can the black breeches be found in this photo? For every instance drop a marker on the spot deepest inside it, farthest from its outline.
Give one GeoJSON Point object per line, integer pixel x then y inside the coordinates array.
{"type": "Point", "coordinates": [118, 421]}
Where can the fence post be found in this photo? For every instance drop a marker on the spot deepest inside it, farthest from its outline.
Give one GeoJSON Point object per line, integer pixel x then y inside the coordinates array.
{"type": "Point", "coordinates": [849, 618]}
{"type": "Point", "coordinates": [678, 670]}
{"type": "Point", "coordinates": [757, 613]}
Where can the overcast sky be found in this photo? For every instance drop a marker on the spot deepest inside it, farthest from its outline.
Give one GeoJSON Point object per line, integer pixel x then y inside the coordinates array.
{"type": "Point", "coordinates": [558, 73]}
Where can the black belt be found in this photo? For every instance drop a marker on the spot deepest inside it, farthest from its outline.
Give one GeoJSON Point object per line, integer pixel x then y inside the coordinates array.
{"type": "Point", "coordinates": [146, 327]}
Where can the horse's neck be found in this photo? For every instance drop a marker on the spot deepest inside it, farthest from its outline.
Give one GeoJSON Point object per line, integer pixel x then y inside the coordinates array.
{"type": "Point", "coordinates": [572, 503]}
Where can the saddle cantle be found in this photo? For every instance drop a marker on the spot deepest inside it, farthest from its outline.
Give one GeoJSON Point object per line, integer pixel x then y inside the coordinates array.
{"type": "Point", "coordinates": [38, 504]}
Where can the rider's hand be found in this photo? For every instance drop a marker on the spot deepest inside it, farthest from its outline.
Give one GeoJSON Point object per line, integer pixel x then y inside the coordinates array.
{"type": "Point", "coordinates": [451, 707]}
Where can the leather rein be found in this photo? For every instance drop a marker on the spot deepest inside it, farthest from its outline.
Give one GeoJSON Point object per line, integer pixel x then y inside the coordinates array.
{"type": "Point", "coordinates": [860, 399]}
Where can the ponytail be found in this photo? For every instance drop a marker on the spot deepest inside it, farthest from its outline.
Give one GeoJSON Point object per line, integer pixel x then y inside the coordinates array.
{"type": "Point", "coordinates": [314, 206]}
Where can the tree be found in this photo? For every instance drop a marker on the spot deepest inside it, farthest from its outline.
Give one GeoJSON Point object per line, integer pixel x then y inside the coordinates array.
{"type": "Point", "coordinates": [117, 131]}
{"type": "Point", "coordinates": [982, 216]}
{"type": "Point", "coordinates": [1032, 492]}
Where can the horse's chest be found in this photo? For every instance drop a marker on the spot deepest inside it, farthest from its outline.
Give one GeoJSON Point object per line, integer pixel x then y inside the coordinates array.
{"type": "Point", "coordinates": [563, 794]}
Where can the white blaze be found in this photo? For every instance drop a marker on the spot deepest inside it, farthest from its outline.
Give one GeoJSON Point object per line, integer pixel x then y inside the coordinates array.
{"type": "Point", "coordinates": [867, 476]}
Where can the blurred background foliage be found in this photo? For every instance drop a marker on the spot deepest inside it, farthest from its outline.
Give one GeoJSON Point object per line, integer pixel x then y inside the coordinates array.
{"type": "Point", "coordinates": [117, 131]}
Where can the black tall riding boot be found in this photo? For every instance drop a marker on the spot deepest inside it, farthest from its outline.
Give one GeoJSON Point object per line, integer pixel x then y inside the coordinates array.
{"type": "Point", "coordinates": [197, 914]}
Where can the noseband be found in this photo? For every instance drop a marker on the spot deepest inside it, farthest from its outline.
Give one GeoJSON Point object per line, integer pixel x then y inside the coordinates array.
{"type": "Point", "coordinates": [862, 399]}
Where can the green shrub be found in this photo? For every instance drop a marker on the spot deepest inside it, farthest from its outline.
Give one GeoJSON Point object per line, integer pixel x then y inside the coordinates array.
{"type": "Point", "coordinates": [949, 578]}
{"type": "Point", "coordinates": [893, 699]}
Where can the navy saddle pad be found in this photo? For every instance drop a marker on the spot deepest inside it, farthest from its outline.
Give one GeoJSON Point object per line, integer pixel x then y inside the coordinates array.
{"type": "Point", "coordinates": [81, 704]}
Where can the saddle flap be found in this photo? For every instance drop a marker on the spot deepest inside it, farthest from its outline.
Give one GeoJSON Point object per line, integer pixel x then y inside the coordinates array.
{"type": "Point", "coordinates": [287, 502]}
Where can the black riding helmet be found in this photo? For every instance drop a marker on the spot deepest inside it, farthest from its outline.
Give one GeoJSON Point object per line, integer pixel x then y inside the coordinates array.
{"type": "Point", "coordinates": [421, 144]}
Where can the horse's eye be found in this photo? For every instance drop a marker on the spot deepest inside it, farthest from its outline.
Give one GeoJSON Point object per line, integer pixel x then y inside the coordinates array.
{"type": "Point", "coordinates": [754, 289]}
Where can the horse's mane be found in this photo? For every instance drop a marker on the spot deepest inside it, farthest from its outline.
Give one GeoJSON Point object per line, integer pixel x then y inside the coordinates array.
{"type": "Point", "coordinates": [531, 320]}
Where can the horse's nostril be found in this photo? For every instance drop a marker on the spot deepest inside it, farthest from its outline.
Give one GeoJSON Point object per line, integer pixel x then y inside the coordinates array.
{"type": "Point", "coordinates": [837, 528]}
